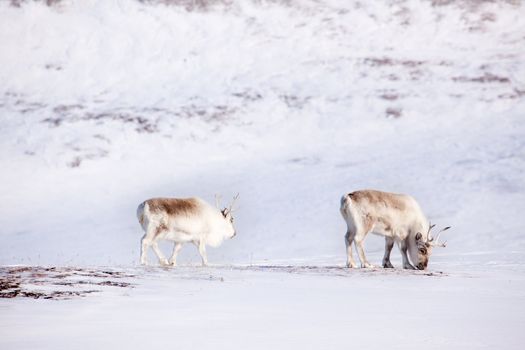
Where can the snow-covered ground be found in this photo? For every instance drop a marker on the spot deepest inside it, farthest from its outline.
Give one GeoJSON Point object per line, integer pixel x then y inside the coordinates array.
{"type": "Point", "coordinates": [106, 103]}
{"type": "Point", "coordinates": [279, 308]}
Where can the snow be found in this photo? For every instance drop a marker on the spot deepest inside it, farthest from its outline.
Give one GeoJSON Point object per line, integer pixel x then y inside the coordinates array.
{"type": "Point", "coordinates": [106, 103]}
{"type": "Point", "coordinates": [279, 307]}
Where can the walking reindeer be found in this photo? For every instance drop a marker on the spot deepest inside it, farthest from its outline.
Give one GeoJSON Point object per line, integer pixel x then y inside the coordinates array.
{"type": "Point", "coordinates": [182, 221]}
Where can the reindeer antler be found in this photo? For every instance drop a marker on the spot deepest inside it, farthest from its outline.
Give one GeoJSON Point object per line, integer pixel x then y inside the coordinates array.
{"type": "Point", "coordinates": [430, 227]}
{"type": "Point", "coordinates": [436, 243]}
{"type": "Point", "coordinates": [218, 201]}
{"type": "Point", "coordinates": [230, 209]}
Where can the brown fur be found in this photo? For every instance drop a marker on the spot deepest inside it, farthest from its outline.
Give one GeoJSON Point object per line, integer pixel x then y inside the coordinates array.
{"type": "Point", "coordinates": [386, 223]}
{"type": "Point", "coordinates": [172, 206]}
{"type": "Point", "coordinates": [391, 200]}
{"type": "Point", "coordinates": [160, 228]}
{"type": "Point", "coordinates": [369, 222]}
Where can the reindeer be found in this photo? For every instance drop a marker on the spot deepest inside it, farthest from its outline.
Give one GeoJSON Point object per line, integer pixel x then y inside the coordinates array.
{"type": "Point", "coordinates": [182, 221]}
{"type": "Point", "coordinates": [397, 217]}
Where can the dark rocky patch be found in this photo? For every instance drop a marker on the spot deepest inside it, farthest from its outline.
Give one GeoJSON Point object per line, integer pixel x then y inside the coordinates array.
{"type": "Point", "coordinates": [60, 282]}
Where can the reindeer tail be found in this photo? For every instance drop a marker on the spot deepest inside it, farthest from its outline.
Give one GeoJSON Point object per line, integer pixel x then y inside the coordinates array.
{"type": "Point", "coordinates": [140, 213]}
{"type": "Point", "coordinates": [345, 202]}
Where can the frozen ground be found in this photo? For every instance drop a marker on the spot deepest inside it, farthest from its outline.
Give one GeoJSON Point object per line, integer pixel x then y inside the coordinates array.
{"type": "Point", "coordinates": [261, 307]}
{"type": "Point", "coordinates": [292, 104]}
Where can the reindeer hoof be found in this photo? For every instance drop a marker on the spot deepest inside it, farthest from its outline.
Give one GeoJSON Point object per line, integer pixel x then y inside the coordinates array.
{"type": "Point", "coordinates": [351, 265]}
{"type": "Point", "coordinates": [388, 265]}
{"type": "Point", "coordinates": [367, 266]}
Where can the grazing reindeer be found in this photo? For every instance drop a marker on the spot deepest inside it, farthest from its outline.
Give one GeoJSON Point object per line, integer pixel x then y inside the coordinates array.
{"type": "Point", "coordinates": [183, 220]}
{"type": "Point", "coordinates": [397, 217]}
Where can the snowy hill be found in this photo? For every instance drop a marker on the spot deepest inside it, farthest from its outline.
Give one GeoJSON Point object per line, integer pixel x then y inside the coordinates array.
{"type": "Point", "coordinates": [106, 103]}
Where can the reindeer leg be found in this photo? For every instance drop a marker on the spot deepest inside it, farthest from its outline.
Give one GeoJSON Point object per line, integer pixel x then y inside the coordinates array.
{"type": "Point", "coordinates": [202, 252]}
{"type": "Point", "coordinates": [176, 248]}
{"type": "Point", "coordinates": [389, 243]}
{"type": "Point", "coordinates": [162, 259]}
{"type": "Point", "coordinates": [403, 246]}
{"type": "Point", "coordinates": [349, 238]}
{"type": "Point", "coordinates": [145, 243]}
{"type": "Point", "coordinates": [358, 241]}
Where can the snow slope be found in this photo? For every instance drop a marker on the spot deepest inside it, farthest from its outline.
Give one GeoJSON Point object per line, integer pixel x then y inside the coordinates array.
{"type": "Point", "coordinates": [106, 103]}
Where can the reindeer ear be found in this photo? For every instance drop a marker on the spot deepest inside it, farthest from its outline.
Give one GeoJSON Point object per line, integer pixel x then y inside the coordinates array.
{"type": "Point", "coordinates": [418, 236]}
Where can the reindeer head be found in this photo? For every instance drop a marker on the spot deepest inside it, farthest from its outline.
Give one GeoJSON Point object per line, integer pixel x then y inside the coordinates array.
{"type": "Point", "coordinates": [424, 247]}
{"type": "Point", "coordinates": [227, 214]}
